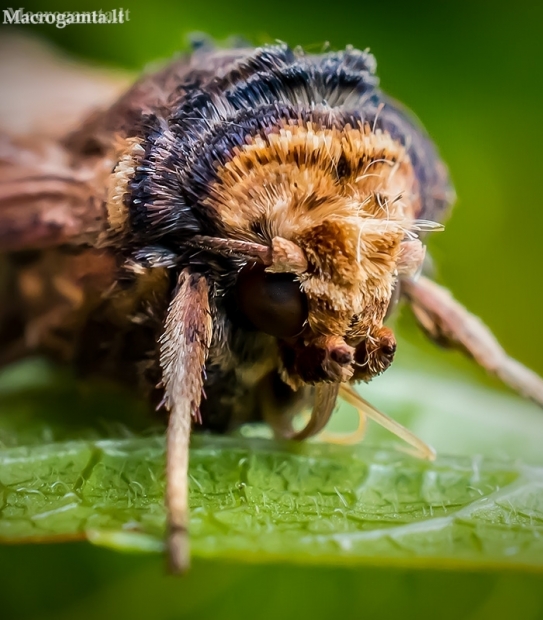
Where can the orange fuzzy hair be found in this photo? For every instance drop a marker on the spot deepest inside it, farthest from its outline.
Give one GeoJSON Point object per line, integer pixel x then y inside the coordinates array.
{"type": "Point", "coordinates": [346, 197]}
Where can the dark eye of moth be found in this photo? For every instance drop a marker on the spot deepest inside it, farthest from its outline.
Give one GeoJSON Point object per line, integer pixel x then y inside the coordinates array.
{"type": "Point", "coordinates": [272, 302]}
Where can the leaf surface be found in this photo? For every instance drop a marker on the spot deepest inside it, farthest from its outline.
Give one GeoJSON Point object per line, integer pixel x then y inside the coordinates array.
{"type": "Point", "coordinates": [257, 500]}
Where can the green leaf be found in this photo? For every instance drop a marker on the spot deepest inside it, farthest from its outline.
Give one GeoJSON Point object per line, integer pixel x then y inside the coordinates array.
{"type": "Point", "coordinates": [258, 500]}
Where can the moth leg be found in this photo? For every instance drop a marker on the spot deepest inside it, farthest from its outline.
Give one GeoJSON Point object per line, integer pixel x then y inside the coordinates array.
{"type": "Point", "coordinates": [183, 351]}
{"type": "Point", "coordinates": [447, 322]}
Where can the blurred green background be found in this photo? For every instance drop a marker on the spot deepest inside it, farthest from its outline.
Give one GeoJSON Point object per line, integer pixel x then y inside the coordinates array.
{"type": "Point", "coordinates": [471, 71]}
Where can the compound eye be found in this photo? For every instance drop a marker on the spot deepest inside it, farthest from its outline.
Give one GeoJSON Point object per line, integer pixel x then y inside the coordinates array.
{"type": "Point", "coordinates": [273, 302]}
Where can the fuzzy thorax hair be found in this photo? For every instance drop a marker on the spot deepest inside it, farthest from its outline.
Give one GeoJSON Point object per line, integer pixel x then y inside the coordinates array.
{"type": "Point", "coordinates": [347, 198]}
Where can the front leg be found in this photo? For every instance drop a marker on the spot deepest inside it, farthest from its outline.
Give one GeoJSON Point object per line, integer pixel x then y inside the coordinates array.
{"type": "Point", "coordinates": [183, 352]}
{"type": "Point", "coordinates": [448, 323]}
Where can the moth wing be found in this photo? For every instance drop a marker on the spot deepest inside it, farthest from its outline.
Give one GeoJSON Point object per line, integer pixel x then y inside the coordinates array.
{"type": "Point", "coordinates": [44, 202]}
{"type": "Point", "coordinates": [59, 120]}
{"type": "Point", "coordinates": [45, 95]}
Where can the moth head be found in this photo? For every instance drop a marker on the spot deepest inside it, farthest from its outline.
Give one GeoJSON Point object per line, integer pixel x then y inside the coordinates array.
{"type": "Point", "coordinates": [328, 314]}
{"type": "Point", "coordinates": [326, 300]}
{"type": "Point", "coordinates": [333, 212]}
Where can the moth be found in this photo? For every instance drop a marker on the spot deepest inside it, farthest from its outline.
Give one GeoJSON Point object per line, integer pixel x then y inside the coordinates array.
{"type": "Point", "coordinates": [227, 236]}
